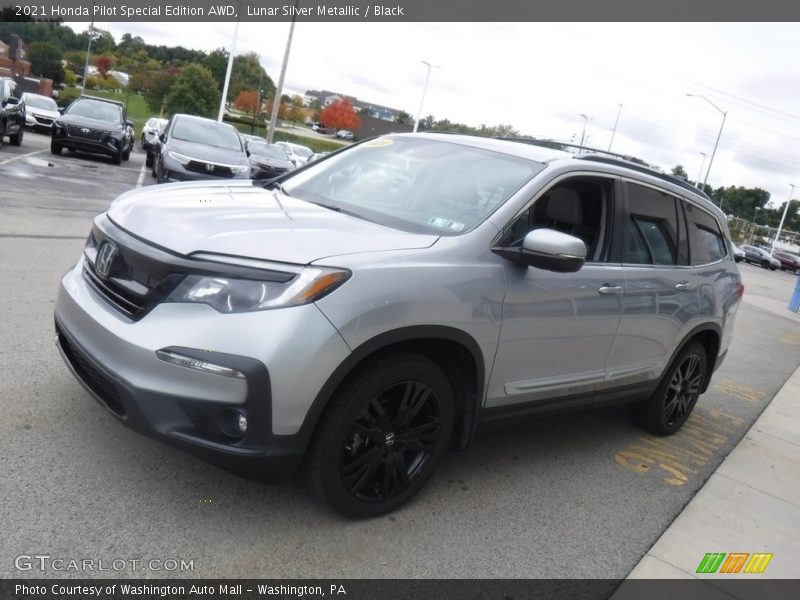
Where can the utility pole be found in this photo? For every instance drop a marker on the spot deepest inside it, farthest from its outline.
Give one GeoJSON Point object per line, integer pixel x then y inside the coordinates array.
{"type": "Point", "coordinates": [228, 73]}
{"type": "Point", "coordinates": [783, 218]}
{"type": "Point", "coordinates": [702, 164]}
{"type": "Point", "coordinates": [583, 133]}
{"type": "Point", "coordinates": [713, 152]}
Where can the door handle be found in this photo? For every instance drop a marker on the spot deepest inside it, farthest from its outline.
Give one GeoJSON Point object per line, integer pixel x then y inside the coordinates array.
{"type": "Point", "coordinates": [607, 289]}
{"type": "Point", "coordinates": [683, 286]}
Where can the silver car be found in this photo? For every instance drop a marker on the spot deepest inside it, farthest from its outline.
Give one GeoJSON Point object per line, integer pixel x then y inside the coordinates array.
{"type": "Point", "coordinates": [361, 316]}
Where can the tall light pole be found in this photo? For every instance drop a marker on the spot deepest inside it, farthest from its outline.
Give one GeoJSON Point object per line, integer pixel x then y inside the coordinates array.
{"type": "Point", "coordinates": [583, 132]}
{"type": "Point", "coordinates": [616, 122]}
{"type": "Point", "coordinates": [228, 73]}
{"type": "Point", "coordinates": [702, 164]}
{"type": "Point", "coordinates": [713, 152]}
{"type": "Point", "coordinates": [276, 102]}
{"type": "Point", "coordinates": [424, 91]}
{"type": "Point", "coordinates": [752, 231]}
{"type": "Point", "coordinates": [90, 33]}
{"type": "Point", "coordinates": [783, 218]}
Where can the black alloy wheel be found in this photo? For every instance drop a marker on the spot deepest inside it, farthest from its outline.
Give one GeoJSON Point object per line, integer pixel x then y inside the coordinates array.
{"type": "Point", "coordinates": [382, 436]}
{"type": "Point", "coordinates": [669, 407]}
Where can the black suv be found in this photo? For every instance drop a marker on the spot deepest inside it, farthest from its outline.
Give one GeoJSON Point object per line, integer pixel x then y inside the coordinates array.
{"type": "Point", "coordinates": [12, 113]}
{"type": "Point", "coordinates": [94, 125]}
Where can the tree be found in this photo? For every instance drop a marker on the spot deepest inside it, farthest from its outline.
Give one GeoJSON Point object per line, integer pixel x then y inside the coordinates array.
{"type": "Point", "coordinates": [402, 117]}
{"type": "Point", "coordinates": [195, 92]}
{"type": "Point", "coordinates": [248, 74]}
{"type": "Point", "coordinates": [45, 59]}
{"type": "Point", "coordinates": [680, 172]}
{"type": "Point", "coordinates": [246, 101]}
{"type": "Point", "coordinates": [104, 65]}
{"type": "Point", "coordinates": [217, 62]}
{"type": "Point", "coordinates": [340, 115]}
{"type": "Point", "coordinates": [155, 84]}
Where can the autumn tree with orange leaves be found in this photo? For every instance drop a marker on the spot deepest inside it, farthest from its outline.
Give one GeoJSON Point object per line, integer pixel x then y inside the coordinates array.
{"type": "Point", "coordinates": [340, 115]}
{"type": "Point", "coordinates": [246, 101]}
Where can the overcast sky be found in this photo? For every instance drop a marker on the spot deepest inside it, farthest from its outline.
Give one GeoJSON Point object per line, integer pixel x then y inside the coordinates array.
{"type": "Point", "coordinates": [540, 77]}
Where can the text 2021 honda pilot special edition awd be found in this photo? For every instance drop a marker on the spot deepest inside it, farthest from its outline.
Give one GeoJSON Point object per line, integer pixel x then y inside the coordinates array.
{"type": "Point", "coordinates": [361, 315]}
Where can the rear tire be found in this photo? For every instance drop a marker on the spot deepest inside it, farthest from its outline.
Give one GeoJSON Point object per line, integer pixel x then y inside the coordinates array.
{"type": "Point", "coordinates": [669, 407]}
{"type": "Point", "coordinates": [16, 139]}
{"type": "Point", "coordinates": [382, 436]}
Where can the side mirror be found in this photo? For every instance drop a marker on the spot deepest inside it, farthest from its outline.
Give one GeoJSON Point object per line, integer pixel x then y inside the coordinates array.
{"type": "Point", "coordinates": [163, 137]}
{"type": "Point", "coordinates": [246, 151]}
{"type": "Point", "coordinates": [547, 249]}
{"type": "Point", "coordinates": [10, 100]}
{"type": "Point", "coordinates": [129, 122]}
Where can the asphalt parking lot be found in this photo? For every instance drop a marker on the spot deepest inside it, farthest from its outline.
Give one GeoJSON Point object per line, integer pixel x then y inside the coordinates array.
{"type": "Point", "coordinates": [576, 495]}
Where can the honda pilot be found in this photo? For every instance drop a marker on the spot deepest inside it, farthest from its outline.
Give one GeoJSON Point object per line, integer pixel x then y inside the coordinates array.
{"type": "Point", "coordinates": [361, 316]}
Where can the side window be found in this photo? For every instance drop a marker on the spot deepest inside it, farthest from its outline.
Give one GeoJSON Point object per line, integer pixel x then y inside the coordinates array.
{"type": "Point", "coordinates": [706, 242]}
{"type": "Point", "coordinates": [581, 207]}
{"type": "Point", "coordinates": [651, 228]}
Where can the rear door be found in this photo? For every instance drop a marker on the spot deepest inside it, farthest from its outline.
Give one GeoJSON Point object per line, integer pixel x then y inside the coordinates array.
{"type": "Point", "coordinates": [661, 295]}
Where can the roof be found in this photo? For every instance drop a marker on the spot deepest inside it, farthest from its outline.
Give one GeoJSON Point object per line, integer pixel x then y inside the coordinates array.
{"type": "Point", "coordinates": [106, 100]}
{"type": "Point", "coordinates": [531, 152]}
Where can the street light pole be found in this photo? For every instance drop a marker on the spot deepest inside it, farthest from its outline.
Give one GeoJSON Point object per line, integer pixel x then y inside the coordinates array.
{"type": "Point", "coordinates": [702, 164]}
{"type": "Point", "coordinates": [583, 133]}
{"type": "Point", "coordinates": [714, 151]}
{"type": "Point", "coordinates": [753, 230]}
{"type": "Point", "coordinates": [90, 34]}
{"type": "Point", "coordinates": [424, 91]}
{"type": "Point", "coordinates": [783, 218]}
{"type": "Point", "coordinates": [276, 102]}
{"type": "Point", "coordinates": [228, 73]}
{"type": "Point", "coordinates": [614, 132]}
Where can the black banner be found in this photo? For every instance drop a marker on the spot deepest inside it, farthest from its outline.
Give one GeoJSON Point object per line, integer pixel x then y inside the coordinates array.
{"type": "Point", "coordinates": [402, 10]}
{"type": "Point", "coordinates": [392, 589]}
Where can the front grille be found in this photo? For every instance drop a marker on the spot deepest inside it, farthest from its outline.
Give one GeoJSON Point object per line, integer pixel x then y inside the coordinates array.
{"type": "Point", "coordinates": [203, 167]}
{"type": "Point", "coordinates": [125, 301]}
{"type": "Point", "coordinates": [94, 379]}
{"type": "Point", "coordinates": [44, 120]}
{"type": "Point", "coordinates": [85, 133]}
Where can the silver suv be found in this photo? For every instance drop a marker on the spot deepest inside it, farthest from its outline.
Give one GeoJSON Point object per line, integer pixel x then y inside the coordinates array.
{"type": "Point", "coordinates": [362, 315]}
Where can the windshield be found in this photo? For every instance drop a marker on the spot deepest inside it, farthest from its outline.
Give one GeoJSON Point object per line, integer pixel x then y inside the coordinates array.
{"type": "Point", "coordinates": [42, 102]}
{"type": "Point", "coordinates": [415, 184]}
{"type": "Point", "coordinates": [301, 150]}
{"type": "Point", "coordinates": [208, 133]}
{"type": "Point", "coordinates": [265, 150]}
{"type": "Point", "coordinates": [102, 111]}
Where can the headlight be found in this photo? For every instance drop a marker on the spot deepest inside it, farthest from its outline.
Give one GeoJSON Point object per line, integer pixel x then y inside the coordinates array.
{"type": "Point", "coordinates": [184, 160]}
{"type": "Point", "coordinates": [229, 295]}
{"type": "Point", "coordinates": [239, 168]}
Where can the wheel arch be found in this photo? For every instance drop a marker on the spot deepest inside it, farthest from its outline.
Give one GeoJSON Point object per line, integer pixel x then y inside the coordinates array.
{"type": "Point", "coordinates": [456, 352]}
{"type": "Point", "coordinates": [709, 335]}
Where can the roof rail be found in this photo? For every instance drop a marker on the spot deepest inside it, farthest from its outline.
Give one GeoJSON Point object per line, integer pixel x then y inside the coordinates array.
{"type": "Point", "coordinates": [612, 158]}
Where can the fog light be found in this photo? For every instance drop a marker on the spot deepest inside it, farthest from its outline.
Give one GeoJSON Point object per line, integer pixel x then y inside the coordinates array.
{"type": "Point", "coordinates": [197, 364]}
{"type": "Point", "coordinates": [232, 422]}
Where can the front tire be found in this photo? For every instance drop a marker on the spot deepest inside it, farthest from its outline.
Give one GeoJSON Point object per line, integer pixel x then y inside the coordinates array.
{"type": "Point", "coordinates": [117, 157]}
{"type": "Point", "coordinates": [669, 407]}
{"type": "Point", "coordinates": [55, 148]}
{"type": "Point", "coordinates": [382, 437]}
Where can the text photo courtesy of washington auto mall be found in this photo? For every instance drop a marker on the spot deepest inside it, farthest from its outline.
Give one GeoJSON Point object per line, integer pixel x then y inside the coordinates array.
{"type": "Point", "coordinates": [465, 299]}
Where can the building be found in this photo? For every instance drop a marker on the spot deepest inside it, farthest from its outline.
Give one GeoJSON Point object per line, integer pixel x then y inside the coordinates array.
{"type": "Point", "coordinates": [327, 97]}
{"type": "Point", "coordinates": [13, 67]}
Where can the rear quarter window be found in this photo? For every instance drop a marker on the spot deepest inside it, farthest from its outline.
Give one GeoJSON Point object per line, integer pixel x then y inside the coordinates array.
{"type": "Point", "coordinates": [706, 240]}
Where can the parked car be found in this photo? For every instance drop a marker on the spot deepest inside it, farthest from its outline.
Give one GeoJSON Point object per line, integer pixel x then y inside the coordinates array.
{"type": "Point", "coordinates": [12, 113]}
{"type": "Point", "coordinates": [40, 112]}
{"type": "Point", "coordinates": [297, 153]}
{"type": "Point", "coordinates": [738, 253]}
{"type": "Point", "coordinates": [267, 161]}
{"type": "Point", "coordinates": [194, 148]}
{"type": "Point", "coordinates": [151, 131]}
{"type": "Point", "coordinates": [788, 262]}
{"type": "Point", "coordinates": [360, 331]}
{"type": "Point", "coordinates": [95, 125]}
{"type": "Point", "coordinates": [316, 156]}
{"type": "Point", "coordinates": [320, 128]}
{"type": "Point", "coordinates": [344, 134]}
{"type": "Point", "coordinates": [760, 256]}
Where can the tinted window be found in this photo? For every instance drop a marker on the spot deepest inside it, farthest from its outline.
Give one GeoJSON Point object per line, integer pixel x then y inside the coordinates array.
{"type": "Point", "coordinates": [706, 242]}
{"type": "Point", "coordinates": [102, 111]}
{"type": "Point", "coordinates": [651, 230]}
{"type": "Point", "coordinates": [208, 133]}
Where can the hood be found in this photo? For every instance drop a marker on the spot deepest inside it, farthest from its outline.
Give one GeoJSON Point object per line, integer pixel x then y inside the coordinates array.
{"type": "Point", "coordinates": [50, 114]}
{"type": "Point", "coordinates": [258, 160]}
{"type": "Point", "coordinates": [205, 153]}
{"type": "Point", "coordinates": [242, 219]}
{"type": "Point", "coordinates": [90, 123]}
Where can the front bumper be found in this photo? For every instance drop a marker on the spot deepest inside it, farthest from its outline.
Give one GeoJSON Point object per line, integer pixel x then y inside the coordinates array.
{"type": "Point", "coordinates": [114, 359]}
{"type": "Point", "coordinates": [175, 172]}
{"type": "Point", "coordinates": [109, 145]}
{"type": "Point", "coordinates": [38, 123]}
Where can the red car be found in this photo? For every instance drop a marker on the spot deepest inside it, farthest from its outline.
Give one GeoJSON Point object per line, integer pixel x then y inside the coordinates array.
{"type": "Point", "coordinates": [789, 262]}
